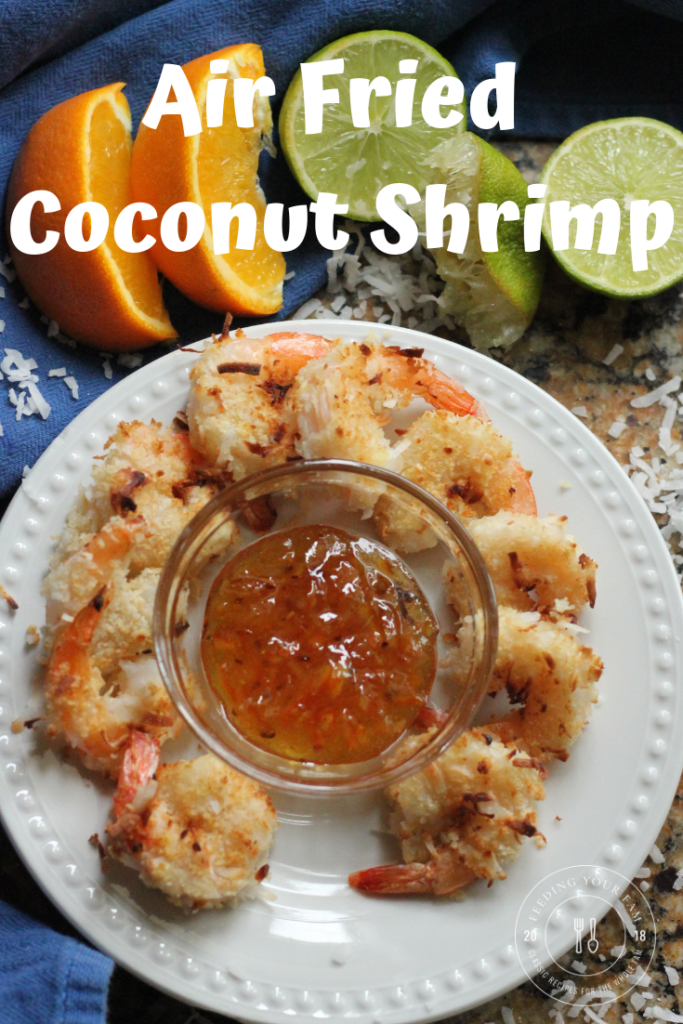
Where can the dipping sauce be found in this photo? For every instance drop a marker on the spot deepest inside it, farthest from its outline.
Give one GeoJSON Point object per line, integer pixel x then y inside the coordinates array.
{"type": "Point", "coordinates": [319, 644]}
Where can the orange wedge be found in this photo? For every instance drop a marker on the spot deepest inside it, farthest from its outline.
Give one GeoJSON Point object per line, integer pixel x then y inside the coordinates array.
{"type": "Point", "coordinates": [106, 298]}
{"type": "Point", "coordinates": [216, 165]}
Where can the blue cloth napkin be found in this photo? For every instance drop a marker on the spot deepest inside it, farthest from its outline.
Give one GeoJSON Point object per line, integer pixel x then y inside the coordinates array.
{"type": "Point", "coordinates": [47, 978]}
{"type": "Point", "coordinates": [578, 61]}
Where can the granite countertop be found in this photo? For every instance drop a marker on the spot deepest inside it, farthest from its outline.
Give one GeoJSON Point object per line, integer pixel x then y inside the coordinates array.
{"type": "Point", "coordinates": [563, 352]}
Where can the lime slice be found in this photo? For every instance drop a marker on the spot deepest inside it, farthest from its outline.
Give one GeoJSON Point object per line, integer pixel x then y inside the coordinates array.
{"type": "Point", "coordinates": [356, 163]}
{"type": "Point", "coordinates": [624, 159]}
{"type": "Point", "coordinates": [493, 295]}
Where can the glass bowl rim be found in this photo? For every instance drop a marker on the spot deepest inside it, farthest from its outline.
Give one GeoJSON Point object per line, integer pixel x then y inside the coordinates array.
{"type": "Point", "coordinates": [163, 641]}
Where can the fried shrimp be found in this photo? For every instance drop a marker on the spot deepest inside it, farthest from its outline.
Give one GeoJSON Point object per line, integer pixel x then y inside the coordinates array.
{"type": "Point", "coordinates": [124, 629]}
{"type": "Point", "coordinates": [198, 830]}
{"type": "Point", "coordinates": [238, 390]}
{"type": "Point", "coordinates": [461, 818]}
{"type": "Point", "coordinates": [341, 402]}
{"type": "Point", "coordinates": [94, 716]}
{"type": "Point", "coordinates": [465, 463]}
{"type": "Point", "coordinates": [149, 472]}
{"type": "Point", "coordinates": [74, 582]}
{"type": "Point", "coordinates": [534, 563]}
{"type": "Point", "coordinates": [552, 676]}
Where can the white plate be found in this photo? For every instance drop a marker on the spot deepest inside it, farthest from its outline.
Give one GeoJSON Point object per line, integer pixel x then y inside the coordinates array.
{"type": "Point", "coordinates": [321, 950]}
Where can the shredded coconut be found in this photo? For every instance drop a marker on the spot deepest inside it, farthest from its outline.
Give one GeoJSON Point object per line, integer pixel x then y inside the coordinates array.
{"type": "Point", "coordinates": [405, 288]}
{"type": "Point", "coordinates": [580, 410]}
{"type": "Point", "coordinates": [72, 385]}
{"type": "Point", "coordinates": [18, 370]}
{"type": "Point", "coordinates": [643, 401]}
{"type": "Point", "coordinates": [59, 371]}
{"type": "Point", "coordinates": [106, 367]}
{"type": "Point", "coordinates": [650, 373]}
{"type": "Point", "coordinates": [613, 354]}
{"type": "Point", "coordinates": [672, 975]}
{"type": "Point", "coordinates": [129, 359]}
{"type": "Point", "coordinates": [309, 307]}
{"type": "Point", "coordinates": [656, 855]}
{"type": "Point", "coordinates": [617, 428]}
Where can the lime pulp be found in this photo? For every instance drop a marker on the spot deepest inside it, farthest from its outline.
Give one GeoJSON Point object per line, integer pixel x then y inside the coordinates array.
{"type": "Point", "coordinates": [355, 163]}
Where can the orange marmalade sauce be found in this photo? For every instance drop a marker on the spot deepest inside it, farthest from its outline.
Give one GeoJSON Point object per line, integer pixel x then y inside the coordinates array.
{"type": "Point", "coordinates": [319, 644]}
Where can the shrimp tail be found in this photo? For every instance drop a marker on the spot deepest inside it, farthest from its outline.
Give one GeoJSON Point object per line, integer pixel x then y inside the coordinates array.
{"type": "Point", "coordinates": [70, 655]}
{"type": "Point", "coordinates": [140, 762]}
{"type": "Point", "coordinates": [522, 497]}
{"type": "Point", "coordinates": [444, 875]}
{"type": "Point", "coordinates": [390, 879]}
{"type": "Point", "coordinates": [294, 350]}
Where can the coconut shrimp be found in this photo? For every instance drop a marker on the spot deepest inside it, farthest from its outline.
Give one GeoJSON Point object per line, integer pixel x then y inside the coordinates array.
{"type": "Point", "coordinates": [552, 676]}
{"type": "Point", "coordinates": [75, 581]}
{"type": "Point", "coordinates": [94, 716]}
{"type": "Point", "coordinates": [148, 471]}
{"type": "Point", "coordinates": [237, 397]}
{"type": "Point", "coordinates": [124, 629]}
{"type": "Point", "coordinates": [465, 463]}
{"type": "Point", "coordinates": [198, 830]}
{"type": "Point", "coordinates": [535, 563]}
{"type": "Point", "coordinates": [462, 817]}
{"type": "Point", "coordinates": [341, 403]}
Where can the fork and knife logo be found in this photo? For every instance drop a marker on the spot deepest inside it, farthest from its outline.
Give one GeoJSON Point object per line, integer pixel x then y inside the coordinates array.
{"type": "Point", "coordinates": [592, 944]}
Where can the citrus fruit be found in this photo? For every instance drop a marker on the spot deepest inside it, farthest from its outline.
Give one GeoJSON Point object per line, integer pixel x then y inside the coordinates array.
{"type": "Point", "coordinates": [624, 159]}
{"type": "Point", "coordinates": [80, 151]}
{"type": "Point", "coordinates": [356, 163]}
{"type": "Point", "coordinates": [216, 165]}
{"type": "Point", "coordinates": [493, 295]}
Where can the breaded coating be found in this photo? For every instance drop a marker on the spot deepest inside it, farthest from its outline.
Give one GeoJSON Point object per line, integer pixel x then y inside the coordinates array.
{"type": "Point", "coordinates": [235, 422]}
{"type": "Point", "coordinates": [337, 414]}
{"type": "Point", "coordinates": [534, 562]}
{"type": "Point", "coordinates": [552, 676]}
{"type": "Point", "coordinates": [124, 629]}
{"type": "Point", "coordinates": [198, 830]}
{"type": "Point", "coordinates": [465, 463]}
{"type": "Point", "coordinates": [477, 799]}
{"type": "Point", "coordinates": [95, 716]}
{"type": "Point", "coordinates": [148, 472]}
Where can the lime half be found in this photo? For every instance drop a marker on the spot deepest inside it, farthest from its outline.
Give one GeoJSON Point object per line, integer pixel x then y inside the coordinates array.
{"type": "Point", "coordinates": [356, 163]}
{"type": "Point", "coordinates": [624, 159]}
{"type": "Point", "coordinates": [493, 295]}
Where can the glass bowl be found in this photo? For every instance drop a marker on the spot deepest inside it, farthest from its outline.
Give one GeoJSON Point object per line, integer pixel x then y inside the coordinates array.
{"type": "Point", "coordinates": [366, 501]}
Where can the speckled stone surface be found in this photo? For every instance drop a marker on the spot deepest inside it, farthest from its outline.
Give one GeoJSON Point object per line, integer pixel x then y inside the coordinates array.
{"type": "Point", "coordinates": [562, 352]}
